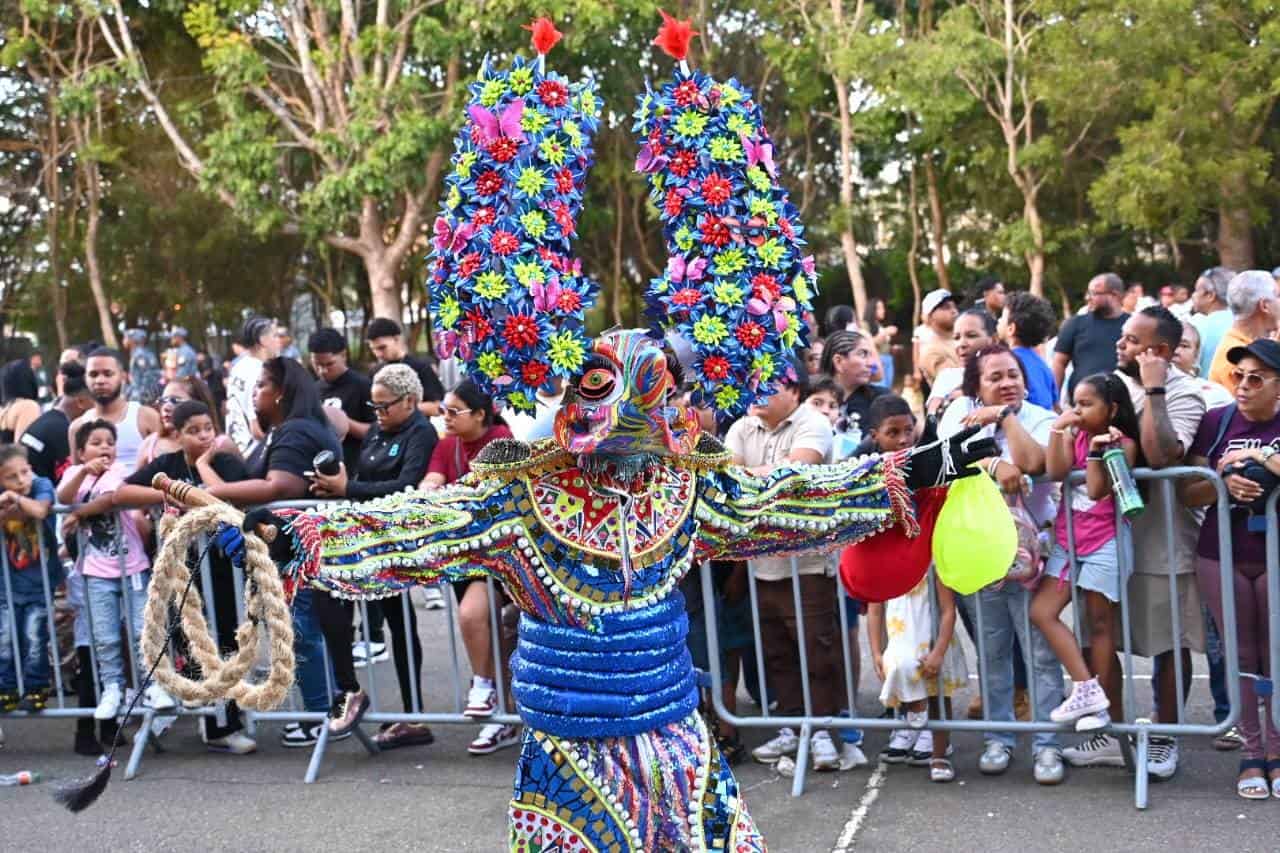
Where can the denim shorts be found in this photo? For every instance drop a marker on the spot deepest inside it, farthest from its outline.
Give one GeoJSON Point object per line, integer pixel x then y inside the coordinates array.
{"type": "Point", "coordinates": [1099, 571]}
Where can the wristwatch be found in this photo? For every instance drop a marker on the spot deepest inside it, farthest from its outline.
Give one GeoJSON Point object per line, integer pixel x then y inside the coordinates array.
{"type": "Point", "coordinates": [1266, 452]}
{"type": "Point", "coordinates": [1005, 412]}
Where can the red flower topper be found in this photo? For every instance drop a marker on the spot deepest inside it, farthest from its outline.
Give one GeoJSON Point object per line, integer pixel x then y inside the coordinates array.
{"type": "Point", "coordinates": [545, 34]}
{"type": "Point", "coordinates": [674, 36]}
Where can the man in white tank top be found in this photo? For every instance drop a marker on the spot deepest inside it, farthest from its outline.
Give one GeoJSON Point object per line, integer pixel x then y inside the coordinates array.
{"type": "Point", "coordinates": [106, 376]}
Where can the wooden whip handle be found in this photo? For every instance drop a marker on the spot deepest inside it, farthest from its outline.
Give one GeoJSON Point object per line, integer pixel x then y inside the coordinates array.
{"type": "Point", "coordinates": [193, 496]}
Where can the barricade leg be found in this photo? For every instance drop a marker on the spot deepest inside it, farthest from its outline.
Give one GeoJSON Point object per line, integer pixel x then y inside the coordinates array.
{"type": "Point", "coordinates": [140, 741]}
{"type": "Point", "coordinates": [802, 760]}
{"type": "Point", "coordinates": [1140, 778]}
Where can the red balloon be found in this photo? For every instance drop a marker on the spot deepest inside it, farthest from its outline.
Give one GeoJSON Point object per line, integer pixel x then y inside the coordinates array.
{"type": "Point", "coordinates": [890, 564]}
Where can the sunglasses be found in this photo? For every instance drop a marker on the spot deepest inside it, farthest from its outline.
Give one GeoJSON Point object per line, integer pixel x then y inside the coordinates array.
{"type": "Point", "coordinates": [172, 401]}
{"type": "Point", "coordinates": [381, 408]}
{"type": "Point", "coordinates": [456, 413]}
{"type": "Point", "coordinates": [1251, 381]}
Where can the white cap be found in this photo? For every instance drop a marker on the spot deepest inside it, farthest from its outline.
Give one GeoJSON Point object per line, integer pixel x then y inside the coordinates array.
{"type": "Point", "coordinates": [932, 300]}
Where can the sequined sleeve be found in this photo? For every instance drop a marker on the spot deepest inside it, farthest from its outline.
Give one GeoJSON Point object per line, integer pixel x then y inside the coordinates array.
{"type": "Point", "coordinates": [378, 548]}
{"type": "Point", "coordinates": [800, 508]}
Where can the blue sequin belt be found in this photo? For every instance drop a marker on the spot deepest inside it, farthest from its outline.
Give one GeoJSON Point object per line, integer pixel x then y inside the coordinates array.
{"type": "Point", "coordinates": [630, 677]}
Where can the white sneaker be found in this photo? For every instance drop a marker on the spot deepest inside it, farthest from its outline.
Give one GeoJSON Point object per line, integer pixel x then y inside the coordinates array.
{"type": "Point", "coordinates": [1087, 698]}
{"type": "Point", "coordinates": [109, 704]}
{"type": "Point", "coordinates": [851, 756]}
{"type": "Point", "coordinates": [494, 737]}
{"type": "Point", "coordinates": [236, 743]}
{"type": "Point", "coordinates": [1162, 757]}
{"type": "Point", "coordinates": [995, 758]}
{"type": "Point", "coordinates": [1093, 722]}
{"type": "Point", "coordinates": [433, 598]}
{"type": "Point", "coordinates": [901, 745]}
{"type": "Point", "coordinates": [824, 752]}
{"type": "Point", "coordinates": [367, 653]}
{"type": "Point", "coordinates": [481, 702]}
{"type": "Point", "coordinates": [917, 719]}
{"type": "Point", "coordinates": [1049, 769]}
{"type": "Point", "coordinates": [785, 743]}
{"type": "Point", "coordinates": [1101, 750]}
{"type": "Point", "coordinates": [157, 697]}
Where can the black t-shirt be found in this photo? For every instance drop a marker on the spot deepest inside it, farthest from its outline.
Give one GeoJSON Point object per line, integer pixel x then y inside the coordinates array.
{"type": "Point", "coordinates": [1090, 341]}
{"type": "Point", "coordinates": [432, 390]}
{"type": "Point", "coordinates": [391, 461]}
{"type": "Point", "coordinates": [228, 466]}
{"type": "Point", "coordinates": [46, 444]}
{"type": "Point", "coordinates": [292, 446]}
{"type": "Point", "coordinates": [857, 405]}
{"type": "Point", "coordinates": [351, 393]}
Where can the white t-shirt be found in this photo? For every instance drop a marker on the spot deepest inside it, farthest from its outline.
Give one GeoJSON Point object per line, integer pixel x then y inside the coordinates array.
{"type": "Point", "coordinates": [947, 380]}
{"type": "Point", "coordinates": [240, 414]}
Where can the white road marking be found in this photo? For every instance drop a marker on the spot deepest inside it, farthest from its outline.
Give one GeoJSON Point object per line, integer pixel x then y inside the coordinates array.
{"type": "Point", "coordinates": [845, 842]}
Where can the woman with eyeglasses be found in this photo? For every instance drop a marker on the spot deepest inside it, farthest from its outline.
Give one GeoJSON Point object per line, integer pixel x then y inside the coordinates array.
{"type": "Point", "coordinates": [470, 423]}
{"type": "Point", "coordinates": [393, 457]}
{"type": "Point", "coordinates": [1242, 443]}
{"type": "Point", "coordinates": [166, 440]}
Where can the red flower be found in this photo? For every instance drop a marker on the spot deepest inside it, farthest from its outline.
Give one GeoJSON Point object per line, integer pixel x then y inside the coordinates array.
{"type": "Point", "coordinates": [520, 331]}
{"type": "Point", "coordinates": [569, 301]}
{"type": "Point", "coordinates": [687, 296]}
{"type": "Point", "coordinates": [564, 182]}
{"type": "Point", "coordinates": [545, 34]}
{"type": "Point", "coordinates": [483, 216]}
{"type": "Point", "coordinates": [715, 367]}
{"type": "Point", "coordinates": [656, 147]}
{"type": "Point", "coordinates": [715, 189]}
{"type": "Point", "coordinates": [674, 37]}
{"type": "Point", "coordinates": [503, 242]}
{"type": "Point", "coordinates": [479, 325]}
{"type": "Point", "coordinates": [534, 373]}
{"type": "Point", "coordinates": [553, 93]}
{"type": "Point", "coordinates": [787, 230]}
{"type": "Point", "coordinates": [674, 203]}
{"type": "Point", "coordinates": [714, 232]}
{"type": "Point", "coordinates": [489, 183]}
{"type": "Point", "coordinates": [682, 162]}
{"type": "Point", "coordinates": [686, 93]}
{"type": "Point", "coordinates": [563, 217]}
{"type": "Point", "coordinates": [765, 287]}
{"type": "Point", "coordinates": [468, 264]}
{"type": "Point", "coordinates": [750, 334]}
{"type": "Point", "coordinates": [503, 149]}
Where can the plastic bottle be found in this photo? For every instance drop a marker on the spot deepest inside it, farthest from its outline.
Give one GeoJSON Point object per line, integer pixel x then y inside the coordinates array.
{"type": "Point", "coordinates": [1122, 482]}
{"type": "Point", "coordinates": [22, 777]}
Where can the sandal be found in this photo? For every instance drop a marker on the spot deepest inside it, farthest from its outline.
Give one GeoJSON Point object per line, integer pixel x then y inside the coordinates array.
{"type": "Point", "coordinates": [940, 770]}
{"type": "Point", "coordinates": [1255, 787]}
{"type": "Point", "coordinates": [1273, 774]}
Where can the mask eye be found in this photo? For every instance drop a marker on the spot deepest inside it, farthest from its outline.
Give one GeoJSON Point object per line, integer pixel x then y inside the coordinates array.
{"type": "Point", "coordinates": [596, 384]}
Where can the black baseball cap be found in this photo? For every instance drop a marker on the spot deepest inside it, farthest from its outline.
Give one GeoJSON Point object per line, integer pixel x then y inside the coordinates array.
{"type": "Point", "coordinates": [1264, 350]}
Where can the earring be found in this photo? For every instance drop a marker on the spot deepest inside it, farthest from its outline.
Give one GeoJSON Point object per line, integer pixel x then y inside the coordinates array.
{"type": "Point", "coordinates": [278, 399]}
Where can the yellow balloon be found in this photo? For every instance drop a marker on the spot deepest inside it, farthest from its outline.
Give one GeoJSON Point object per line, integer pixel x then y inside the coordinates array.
{"type": "Point", "coordinates": [975, 540]}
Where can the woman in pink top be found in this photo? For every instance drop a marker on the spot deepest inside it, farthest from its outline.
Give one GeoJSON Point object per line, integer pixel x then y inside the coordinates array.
{"type": "Point", "coordinates": [1102, 417]}
{"type": "Point", "coordinates": [113, 560]}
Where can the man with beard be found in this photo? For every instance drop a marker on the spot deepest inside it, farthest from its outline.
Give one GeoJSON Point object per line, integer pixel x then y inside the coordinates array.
{"type": "Point", "coordinates": [106, 376]}
{"type": "Point", "coordinates": [1169, 407]}
{"type": "Point", "coordinates": [1087, 341]}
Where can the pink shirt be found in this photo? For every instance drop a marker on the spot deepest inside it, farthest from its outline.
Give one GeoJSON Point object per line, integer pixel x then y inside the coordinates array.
{"type": "Point", "coordinates": [100, 542]}
{"type": "Point", "coordinates": [1094, 522]}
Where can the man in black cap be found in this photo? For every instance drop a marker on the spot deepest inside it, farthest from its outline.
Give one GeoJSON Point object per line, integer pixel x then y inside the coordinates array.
{"type": "Point", "coordinates": [386, 339]}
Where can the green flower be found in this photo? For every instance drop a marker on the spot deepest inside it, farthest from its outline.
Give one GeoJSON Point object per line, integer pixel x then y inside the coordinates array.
{"type": "Point", "coordinates": [710, 330]}
{"type": "Point", "coordinates": [801, 287]}
{"type": "Point", "coordinates": [771, 252]}
{"type": "Point", "coordinates": [552, 151]}
{"type": "Point", "coordinates": [791, 335]}
{"type": "Point", "coordinates": [465, 162]}
{"type": "Point", "coordinates": [448, 314]}
{"type": "Point", "coordinates": [759, 179]}
{"type": "Point", "coordinates": [764, 365]}
{"type": "Point", "coordinates": [533, 121]}
{"type": "Point", "coordinates": [588, 104]}
{"type": "Point", "coordinates": [738, 124]}
{"type": "Point", "coordinates": [727, 397]}
{"type": "Point", "coordinates": [491, 285]}
{"type": "Point", "coordinates": [572, 131]}
{"type": "Point", "coordinates": [729, 94]}
{"type": "Point", "coordinates": [531, 181]}
{"type": "Point", "coordinates": [492, 91]}
{"type": "Point", "coordinates": [528, 272]}
{"type": "Point", "coordinates": [453, 199]}
{"type": "Point", "coordinates": [534, 223]}
{"type": "Point", "coordinates": [730, 261]}
{"type": "Point", "coordinates": [519, 401]}
{"type": "Point", "coordinates": [566, 351]}
{"type": "Point", "coordinates": [726, 293]}
{"type": "Point", "coordinates": [521, 80]}
{"type": "Point", "coordinates": [490, 364]}
{"type": "Point", "coordinates": [763, 208]}
{"type": "Point", "coordinates": [690, 124]}
{"type": "Point", "coordinates": [684, 238]}
{"type": "Point", "coordinates": [725, 149]}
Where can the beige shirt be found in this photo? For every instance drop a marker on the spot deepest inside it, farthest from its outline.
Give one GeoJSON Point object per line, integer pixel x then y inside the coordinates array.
{"type": "Point", "coordinates": [755, 444]}
{"type": "Point", "coordinates": [1186, 407]}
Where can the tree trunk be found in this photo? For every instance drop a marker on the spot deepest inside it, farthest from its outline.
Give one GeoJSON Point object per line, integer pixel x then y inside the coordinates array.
{"type": "Point", "coordinates": [384, 287]}
{"type": "Point", "coordinates": [53, 193]}
{"type": "Point", "coordinates": [1235, 226]}
{"type": "Point", "coordinates": [913, 205]}
{"type": "Point", "coordinates": [1036, 254]}
{"type": "Point", "coordinates": [93, 186]}
{"type": "Point", "coordinates": [937, 224]}
{"type": "Point", "coordinates": [848, 242]}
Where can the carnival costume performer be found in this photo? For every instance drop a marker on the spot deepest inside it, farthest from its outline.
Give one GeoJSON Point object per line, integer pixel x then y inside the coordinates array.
{"type": "Point", "coordinates": [590, 532]}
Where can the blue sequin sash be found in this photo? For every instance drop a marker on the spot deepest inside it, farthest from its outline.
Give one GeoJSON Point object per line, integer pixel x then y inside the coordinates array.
{"type": "Point", "coordinates": [631, 676]}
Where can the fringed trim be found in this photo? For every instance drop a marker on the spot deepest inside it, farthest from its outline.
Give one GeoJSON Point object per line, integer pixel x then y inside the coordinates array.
{"type": "Point", "coordinates": [507, 459]}
{"type": "Point", "coordinates": [305, 565]}
{"type": "Point", "coordinates": [895, 482]}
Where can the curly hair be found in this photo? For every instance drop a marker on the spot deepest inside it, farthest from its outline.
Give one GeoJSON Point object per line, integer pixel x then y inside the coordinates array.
{"type": "Point", "coordinates": [973, 367]}
{"type": "Point", "coordinates": [1032, 315]}
{"type": "Point", "coordinates": [401, 380]}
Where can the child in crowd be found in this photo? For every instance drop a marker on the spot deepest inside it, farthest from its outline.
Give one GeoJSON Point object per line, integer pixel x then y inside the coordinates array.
{"type": "Point", "coordinates": [1102, 417]}
{"type": "Point", "coordinates": [111, 549]}
{"type": "Point", "coordinates": [827, 397]}
{"type": "Point", "coordinates": [26, 511]}
{"type": "Point", "coordinates": [891, 426]}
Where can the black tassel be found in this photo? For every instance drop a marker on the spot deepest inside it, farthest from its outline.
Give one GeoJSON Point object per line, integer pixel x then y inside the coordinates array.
{"type": "Point", "coordinates": [79, 794]}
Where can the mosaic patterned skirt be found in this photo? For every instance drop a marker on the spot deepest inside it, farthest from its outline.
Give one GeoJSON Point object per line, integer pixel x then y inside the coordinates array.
{"type": "Point", "coordinates": [664, 790]}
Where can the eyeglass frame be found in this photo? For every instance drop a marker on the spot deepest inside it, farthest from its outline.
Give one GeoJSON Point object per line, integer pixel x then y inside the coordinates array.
{"type": "Point", "coordinates": [381, 408]}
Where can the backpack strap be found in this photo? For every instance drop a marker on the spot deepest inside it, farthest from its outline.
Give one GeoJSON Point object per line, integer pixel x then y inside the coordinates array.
{"type": "Point", "coordinates": [1222, 429]}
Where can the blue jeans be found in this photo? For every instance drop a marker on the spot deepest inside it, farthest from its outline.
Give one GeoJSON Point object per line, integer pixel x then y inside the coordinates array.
{"type": "Point", "coordinates": [106, 600]}
{"type": "Point", "coordinates": [308, 647]}
{"type": "Point", "coordinates": [886, 371]}
{"type": "Point", "coordinates": [31, 619]}
{"type": "Point", "coordinates": [1004, 616]}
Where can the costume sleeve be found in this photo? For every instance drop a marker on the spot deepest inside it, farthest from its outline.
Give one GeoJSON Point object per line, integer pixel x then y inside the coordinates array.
{"type": "Point", "coordinates": [798, 508]}
{"type": "Point", "coordinates": [379, 548]}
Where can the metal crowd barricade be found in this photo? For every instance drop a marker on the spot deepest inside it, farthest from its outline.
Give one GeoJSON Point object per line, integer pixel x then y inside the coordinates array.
{"type": "Point", "coordinates": [1273, 603]}
{"type": "Point", "coordinates": [1140, 728]}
